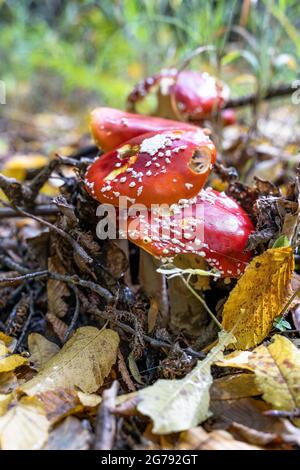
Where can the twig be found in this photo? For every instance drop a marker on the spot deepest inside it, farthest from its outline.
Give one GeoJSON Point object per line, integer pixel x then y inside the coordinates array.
{"type": "Point", "coordinates": [41, 209]}
{"type": "Point", "coordinates": [272, 92]}
{"type": "Point", "coordinates": [27, 322]}
{"type": "Point", "coordinates": [75, 314]}
{"type": "Point", "coordinates": [155, 343]}
{"type": "Point", "coordinates": [59, 277]}
{"type": "Point", "coordinates": [42, 177]}
{"type": "Point", "coordinates": [74, 244]}
{"type": "Point", "coordinates": [124, 372]}
{"type": "Point", "coordinates": [14, 190]}
{"type": "Point", "coordinates": [105, 431]}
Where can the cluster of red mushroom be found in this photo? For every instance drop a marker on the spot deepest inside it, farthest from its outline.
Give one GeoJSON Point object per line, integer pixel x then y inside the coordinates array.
{"type": "Point", "coordinates": [187, 95]}
{"type": "Point", "coordinates": [151, 160]}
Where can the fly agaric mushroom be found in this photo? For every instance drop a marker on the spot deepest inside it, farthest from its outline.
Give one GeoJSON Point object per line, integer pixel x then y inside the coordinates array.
{"type": "Point", "coordinates": [154, 168]}
{"type": "Point", "coordinates": [212, 225]}
{"type": "Point", "coordinates": [195, 95]}
{"type": "Point", "coordinates": [112, 127]}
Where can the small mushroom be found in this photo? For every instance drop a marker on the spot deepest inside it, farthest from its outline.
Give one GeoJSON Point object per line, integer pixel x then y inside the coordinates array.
{"type": "Point", "coordinates": [154, 168]}
{"type": "Point", "coordinates": [112, 127]}
{"type": "Point", "coordinates": [212, 225]}
{"type": "Point", "coordinates": [194, 95]}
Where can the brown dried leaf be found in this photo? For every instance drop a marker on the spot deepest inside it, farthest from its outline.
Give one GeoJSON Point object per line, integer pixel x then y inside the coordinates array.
{"type": "Point", "coordinates": [56, 290]}
{"type": "Point", "coordinates": [41, 350]}
{"type": "Point", "coordinates": [8, 382]}
{"type": "Point", "coordinates": [234, 387]}
{"type": "Point", "coordinates": [59, 327]}
{"type": "Point", "coordinates": [71, 434]}
{"type": "Point", "coordinates": [59, 403]}
{"type": "Point", "coordinates": [199, 439]}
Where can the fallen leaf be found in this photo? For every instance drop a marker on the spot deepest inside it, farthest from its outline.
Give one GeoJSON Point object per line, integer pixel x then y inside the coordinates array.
{"type": "Point", "coordinates": [258, 297]}
{"type": "Point", "coordinates": [4, 402]}
{"type": "Point", "coordinates": [9, 362]}
{"type": "Point", "coordinates": [59, 403]}
{"type": "Point", "coordinates": [255, 437]}
{"type": "Point", "coordinates": [277, 371]}
{"type": "Point", "coordinates": [239, 359]}
{"type": "Point", "coordinates": [234, 387]}
{"type": "Point", "coordinates": [6, 340]}
{"type": "Point", "coordinates": [176, 405]}
{"type": "Point", "coordinates": [89, 400]}
{"type": "Point", "coordinates": [57, 290]}
{"type": "Point", "coordinates": [23, 427]}
{"type": "Point", "coordinates": [199, 439]}
{"type": "Point", "coordinates": [41, 350]}
{"type": "Point", "coordinates": [59, 327]}
{"type": "Point", "coordinates": [83, 362]}
{"type": "Point", "coordinates": [71, 434]}
{"type": "Point", "coordinates": [249, 412]}
{"type": "Point", "coordinates": [8, 382]}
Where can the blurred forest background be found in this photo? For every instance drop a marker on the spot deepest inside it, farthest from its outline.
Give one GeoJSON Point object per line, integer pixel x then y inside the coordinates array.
{"type": "Point", "coordinates": [66, 54]}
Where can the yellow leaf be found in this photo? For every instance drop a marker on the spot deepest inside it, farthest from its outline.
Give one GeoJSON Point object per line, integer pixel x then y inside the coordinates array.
{"type": "Point", "coordinates": [258, 297]}
{"type": "Point", "coordinates": [89, 400]}
{"type": "Point", "coordinates": [18, 165]}
{"type": "Point", "coordinates": [9, 362]}
{"type": "Point", "coordinates": [83, 362]}
{"type": "Point", "coordinates": [41, 350]}
{"type": "Point", "coordinates": [23, 427]}
{"type": "Point", "coordinates": [4, 402]}
{"type": "Point", "coordinates": [239, 359]}
{"type": "Point", "coordinates": [277, 370]}
{"type": "Point", "coordinates": [7, 340]}
{"type": "Point", "coordinates": [234, 387]}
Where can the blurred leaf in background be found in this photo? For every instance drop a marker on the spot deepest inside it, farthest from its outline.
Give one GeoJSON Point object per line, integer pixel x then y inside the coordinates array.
{"type": "Point", "coordinates": [85, 50]}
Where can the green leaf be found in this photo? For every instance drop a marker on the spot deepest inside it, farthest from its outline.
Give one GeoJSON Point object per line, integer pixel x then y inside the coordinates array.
{"type": "Point", "coordinates": [281, 242]}
{"type": "Point", "coordinates": [178, 405]}
{"type": "Point", "coordinates": [281, 324]}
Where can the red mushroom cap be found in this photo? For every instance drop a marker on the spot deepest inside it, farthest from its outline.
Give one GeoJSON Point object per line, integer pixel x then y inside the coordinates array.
{"type": "Point", "coordinates": [228, 117]}
{"type": "Point", "coordinates": [155, 168]}
{"type": "Point", "coordinates": [111, 127]}
{"type": "Point", "coordinates": [212, 225]}
{"type": "Point", "coordinates": [198, 95]}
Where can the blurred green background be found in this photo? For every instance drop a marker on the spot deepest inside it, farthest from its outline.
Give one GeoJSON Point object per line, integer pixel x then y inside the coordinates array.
{"type": "Point", "coordinates": [68, 54]}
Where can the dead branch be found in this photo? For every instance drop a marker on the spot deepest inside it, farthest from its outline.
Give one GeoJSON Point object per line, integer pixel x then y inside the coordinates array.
{"type": "Point", "coordinates": [105, 431]}
{"type": "Point", "coordinates": [155, 343]}
{"type": "Point", "coordinates": [75, 280]}
{"type": "Point", "coordinates": [254, 98]}
{"type": "Point", "coordinates": [72, 325]}
{"type": "Point", "coordinates": [39, 210]}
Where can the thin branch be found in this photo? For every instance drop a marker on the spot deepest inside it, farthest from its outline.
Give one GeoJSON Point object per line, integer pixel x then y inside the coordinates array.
{"type": "Point", "coordinates": [59, 277]}
{"type": "Point", "coordinates": [106, 421]}
{"type": "Point", "coordinates": [155, 343]}
{"type": "Point", "coordinates": [72, 325]}
{"type": "Point", "coordinates": [74, 244]}
{"type": "Point", "coordinates": [272, 92]}
{"type": "Point", "coordinates": [39, 210]}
